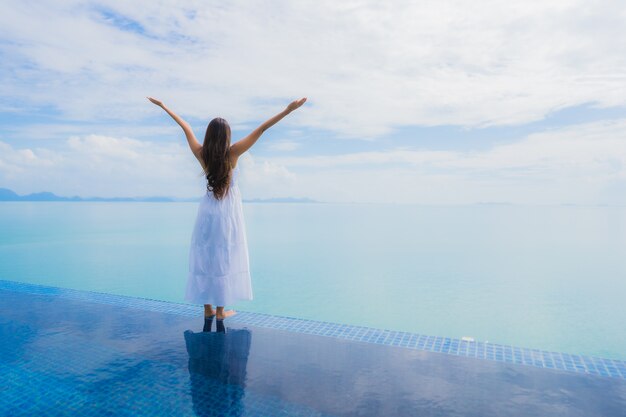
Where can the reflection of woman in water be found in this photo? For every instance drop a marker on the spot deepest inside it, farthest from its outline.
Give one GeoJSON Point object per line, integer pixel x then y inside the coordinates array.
{"type": "Point", "coordinates": [217, 369]}
{"type": "Point", "coordinates": [219, 271]}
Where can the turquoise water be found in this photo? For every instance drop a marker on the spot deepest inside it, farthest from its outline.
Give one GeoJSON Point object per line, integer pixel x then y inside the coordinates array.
{"type": "Point", "coordinates": [538, 277]}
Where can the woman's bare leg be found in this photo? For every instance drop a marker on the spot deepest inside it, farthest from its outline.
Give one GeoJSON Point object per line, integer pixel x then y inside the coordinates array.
{"type": "Point", "coordinates": [221, 314]}
{"type": "Point", "coordinates": [208, 310]}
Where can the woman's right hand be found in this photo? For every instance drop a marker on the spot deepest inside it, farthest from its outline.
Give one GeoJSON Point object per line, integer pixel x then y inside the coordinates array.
{"type": "Point", "coordinates": [295, 104]}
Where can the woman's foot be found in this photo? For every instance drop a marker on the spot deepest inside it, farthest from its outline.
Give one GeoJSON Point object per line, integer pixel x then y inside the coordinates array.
{"type": "Point", "coordinates": [208, 311]}
{"type": "Point", "coordinates": [221, 315]}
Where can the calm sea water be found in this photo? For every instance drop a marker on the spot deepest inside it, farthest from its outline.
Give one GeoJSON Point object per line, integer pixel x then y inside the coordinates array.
{"type": "Point", "coordinates": [542, 277]}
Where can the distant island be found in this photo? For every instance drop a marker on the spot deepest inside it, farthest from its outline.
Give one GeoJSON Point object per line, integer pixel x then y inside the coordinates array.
{"type": "Point", "coordinates": [10, 195]}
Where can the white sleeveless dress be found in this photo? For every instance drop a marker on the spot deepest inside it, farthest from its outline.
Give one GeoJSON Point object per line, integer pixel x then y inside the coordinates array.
{"type": "Point", "coordinates": [219, 270]}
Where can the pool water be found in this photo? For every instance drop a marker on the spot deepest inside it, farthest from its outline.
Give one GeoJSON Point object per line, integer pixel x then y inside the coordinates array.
{"type": "Point", "coordinates": [542, 277]}
{"type": "Point", "coordinates": [93, 355]}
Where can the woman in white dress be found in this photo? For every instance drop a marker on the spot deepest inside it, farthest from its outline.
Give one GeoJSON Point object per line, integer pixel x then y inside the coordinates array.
{"type": "Point", "coordinates": [219, 271]}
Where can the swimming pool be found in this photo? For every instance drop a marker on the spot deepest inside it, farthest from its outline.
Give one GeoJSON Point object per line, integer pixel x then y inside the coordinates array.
{"type": "Point", "coordinates": [66, 351]}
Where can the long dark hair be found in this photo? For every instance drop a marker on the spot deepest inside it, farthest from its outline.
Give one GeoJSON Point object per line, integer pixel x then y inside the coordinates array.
{"type": "Point", "coordinates": [216, 157]}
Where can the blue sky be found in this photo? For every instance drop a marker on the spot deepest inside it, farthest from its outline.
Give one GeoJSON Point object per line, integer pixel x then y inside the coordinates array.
{"type": "Point", "coordinates": [409, 102]}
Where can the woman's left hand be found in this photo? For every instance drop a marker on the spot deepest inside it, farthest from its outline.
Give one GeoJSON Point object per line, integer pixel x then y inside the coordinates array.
{"type": "Point", "coordinates": [155, 101]}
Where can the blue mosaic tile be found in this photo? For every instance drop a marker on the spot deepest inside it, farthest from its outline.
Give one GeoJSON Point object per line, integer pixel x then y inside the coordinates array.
{"type": "Point", "coordinates": [482, 350]}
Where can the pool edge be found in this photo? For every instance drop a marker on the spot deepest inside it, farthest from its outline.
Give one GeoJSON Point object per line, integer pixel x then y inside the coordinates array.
{"type": "Point", "coordinates": [581, 364]}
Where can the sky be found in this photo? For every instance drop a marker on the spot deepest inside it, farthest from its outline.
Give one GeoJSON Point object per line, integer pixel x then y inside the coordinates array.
{"type": "Point", "coordinates": [429, 102]}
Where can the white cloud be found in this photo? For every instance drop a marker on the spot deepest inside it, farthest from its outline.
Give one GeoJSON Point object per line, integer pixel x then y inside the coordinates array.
{"type": "Point", "coordinates": [366, 66]}
{"type": "Point", "coordinates": [53, 132]}
{"type": "Point", "coordinates": [104, 166]}
{"type": "Point", "coordinates": [585, 164]}
{"type": "Point", "coordinates": [283, 145]}
{"type": "Point", "coordinates": [96, 165]}
{"type": "Point", "coordinates": [266, 179]}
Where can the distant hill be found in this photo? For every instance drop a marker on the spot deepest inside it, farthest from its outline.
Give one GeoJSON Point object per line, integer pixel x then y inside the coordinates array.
{"type": "Point", "coordinates": [10, 195]}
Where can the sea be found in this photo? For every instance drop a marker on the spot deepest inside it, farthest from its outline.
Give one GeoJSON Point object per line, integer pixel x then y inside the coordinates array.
{"type": "Point", "coordinates": [545, 277]}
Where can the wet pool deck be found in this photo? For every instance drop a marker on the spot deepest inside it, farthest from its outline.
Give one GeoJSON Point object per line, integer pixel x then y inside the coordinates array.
{"type": "Point", "coordinates": [66, 351]}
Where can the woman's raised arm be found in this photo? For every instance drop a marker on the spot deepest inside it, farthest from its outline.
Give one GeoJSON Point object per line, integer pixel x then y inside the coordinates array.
{"type": "Point", "coordinates": [237, 149]}
{"type": "Point", "coordinates": [194, 145]}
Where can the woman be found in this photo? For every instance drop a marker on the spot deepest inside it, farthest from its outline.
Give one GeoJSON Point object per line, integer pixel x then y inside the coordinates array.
{"type": "Point", "coordinates": [219, 271]}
